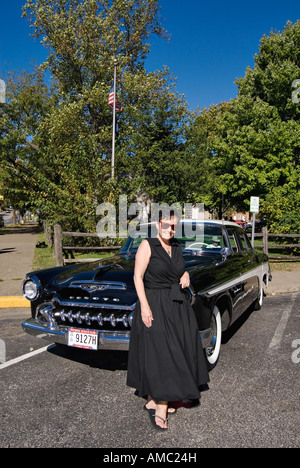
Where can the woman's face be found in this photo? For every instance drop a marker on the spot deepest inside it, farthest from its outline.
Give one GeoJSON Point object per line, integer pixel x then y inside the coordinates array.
{"type": "Point", "coordinates": [167, 227]}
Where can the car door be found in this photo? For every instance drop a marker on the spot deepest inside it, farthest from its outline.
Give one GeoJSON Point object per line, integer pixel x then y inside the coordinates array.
{"type": "Point", "coordinates": [249, 268]}
{"type": "Point", "coordinates": [238, 265]}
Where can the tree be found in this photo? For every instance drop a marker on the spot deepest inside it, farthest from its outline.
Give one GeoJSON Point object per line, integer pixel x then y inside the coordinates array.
{"type": "Point", "coordinates": [28, 101]}
{"type": "Point", "coordinates": [84, 38]}
{"type": "Point", "coordinates": [276, 67]}
{"type": "Point", "coordinates": [251, 145]}
{"type": "Point", "coordinates": [153, 147]}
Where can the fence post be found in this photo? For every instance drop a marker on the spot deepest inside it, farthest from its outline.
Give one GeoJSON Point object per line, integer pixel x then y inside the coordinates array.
{"type": "Point", "coordinates": [265, 240]}
{"type": "Point", "coordinates": [58, 245]}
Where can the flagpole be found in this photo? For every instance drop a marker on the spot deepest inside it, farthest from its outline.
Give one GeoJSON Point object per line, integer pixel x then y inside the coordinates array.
{"type": "Point", "coordinates": [114, 124]}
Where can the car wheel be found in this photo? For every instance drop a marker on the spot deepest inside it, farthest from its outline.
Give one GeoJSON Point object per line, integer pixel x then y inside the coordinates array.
{"type": "Point", "coordinates": [213, 349]}
{"type": "Point", "coordinates": [260, 298]}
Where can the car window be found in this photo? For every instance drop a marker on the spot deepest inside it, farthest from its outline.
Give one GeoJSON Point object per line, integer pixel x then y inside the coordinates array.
{"type": "Point", "coordinates": [244, 241]}
{"type": "Point", "coordinates": [193, 237]}
{"type": "Point", "coordinates": [208, 238]}
{"type": "Point", "coordinates": [232, 239]}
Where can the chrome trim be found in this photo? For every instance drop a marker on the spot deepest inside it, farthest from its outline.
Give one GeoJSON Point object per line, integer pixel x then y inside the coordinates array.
{"type": "Point", "coordinates": [89, 286]}
{"type": "Point", "coordinates": [47, 313]}
{"type": "Point", "coordinates": [258, 271]}
{"type": "Point", "coordinates": [100, 320]}
{"type": "Point", "coordinates": [106, 339]}
{"type": "Point", "coordinates": [36, 280]}
{"type": "Point", "coordinates": [79, 318]}
{"type": "Point", "coordinates": [91, 305]}
{"type": "Point", "coordinates": [43, 314]}
{"type": "Point", "coordinates": [87, 319]}
{"type": "Point", "coordinates": [130, 319]}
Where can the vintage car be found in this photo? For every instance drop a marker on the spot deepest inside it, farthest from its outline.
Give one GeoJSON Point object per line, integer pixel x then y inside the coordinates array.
{"type": "Point", "coordinates": [91, 305]}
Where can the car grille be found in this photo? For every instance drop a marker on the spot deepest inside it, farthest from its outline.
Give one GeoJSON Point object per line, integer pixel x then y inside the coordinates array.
{"type": "Point", "coordinates": [102, 305]}
{"type": "Point", "coordinates": [103, 317]}
{"type": "Point", "coordinates": [94, 319]}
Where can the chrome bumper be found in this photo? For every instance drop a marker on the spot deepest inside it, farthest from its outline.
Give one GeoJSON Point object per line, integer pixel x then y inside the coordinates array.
{"type": "Point", "coordinates": [106, 339]}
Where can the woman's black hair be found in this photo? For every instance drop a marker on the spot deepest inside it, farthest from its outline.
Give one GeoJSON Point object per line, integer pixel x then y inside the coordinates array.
{"type": "Point", "coordinates": [168, 213]}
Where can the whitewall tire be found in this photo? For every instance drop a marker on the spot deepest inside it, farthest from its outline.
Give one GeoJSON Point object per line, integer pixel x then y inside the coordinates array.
{"type": "Point", "coordinates": [212, 351]}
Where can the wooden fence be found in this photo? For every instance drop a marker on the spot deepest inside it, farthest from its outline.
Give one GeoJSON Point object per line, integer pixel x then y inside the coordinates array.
{"type": "Point", "coordinates": [59, 248]}
{"type": "Point", "coordinates": [266, 247]}
{"type": "Point", "coordinates": [62, 251]}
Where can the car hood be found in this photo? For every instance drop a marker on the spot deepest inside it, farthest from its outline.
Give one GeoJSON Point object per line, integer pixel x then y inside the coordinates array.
{"type": "Point", "coordinates": [117, 268]}
{"type": "Point", "coordinates": [120, 267]}
{"type": "Point", "coordinates": [108, 281]}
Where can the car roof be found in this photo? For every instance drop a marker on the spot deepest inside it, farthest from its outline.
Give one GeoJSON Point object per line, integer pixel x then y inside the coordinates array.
{"type": "Point", "coordinates": [221, 222]}
{"type": "Point", "coordinates": [211, 222]}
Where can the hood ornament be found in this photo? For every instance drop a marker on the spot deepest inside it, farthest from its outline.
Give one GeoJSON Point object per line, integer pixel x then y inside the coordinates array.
{"type": "Point", "coordinates": [102, 286]}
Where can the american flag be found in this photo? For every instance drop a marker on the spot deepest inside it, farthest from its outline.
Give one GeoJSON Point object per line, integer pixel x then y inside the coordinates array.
{"type": "Point", "coordinates": [119, 107]}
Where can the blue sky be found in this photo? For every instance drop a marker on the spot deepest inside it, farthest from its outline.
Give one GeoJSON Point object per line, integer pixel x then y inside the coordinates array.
{"type": "Point", "coordinates": [212, 42]}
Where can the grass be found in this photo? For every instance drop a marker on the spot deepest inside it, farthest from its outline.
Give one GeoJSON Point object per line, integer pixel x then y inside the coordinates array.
{"type": "Point", "coordinates": [44, 258]}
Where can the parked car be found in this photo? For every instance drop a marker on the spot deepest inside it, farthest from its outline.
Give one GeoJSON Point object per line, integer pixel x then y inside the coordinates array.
{"type": "Point", "coordinates": [259, 224]}
{"type": "Point", "coordinates": [240, 222]}
{"type": "Point", "coordinates": [91, 305]}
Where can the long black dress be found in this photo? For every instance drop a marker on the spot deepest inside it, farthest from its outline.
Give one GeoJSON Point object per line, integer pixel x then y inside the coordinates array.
{"type": "Point", "coordinates": [166, 360]}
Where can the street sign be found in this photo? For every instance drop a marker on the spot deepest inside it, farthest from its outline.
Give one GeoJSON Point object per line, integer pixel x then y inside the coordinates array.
{"type": "Point", "coordinates": [254, 204]}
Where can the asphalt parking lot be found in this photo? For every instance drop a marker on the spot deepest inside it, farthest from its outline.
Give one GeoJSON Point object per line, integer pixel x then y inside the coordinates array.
{"type": "Point", "coordinates": [74, 398]}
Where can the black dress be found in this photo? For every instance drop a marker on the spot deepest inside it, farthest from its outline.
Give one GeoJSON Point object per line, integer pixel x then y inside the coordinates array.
{"type": "Point", "coordinates": [166, 360]}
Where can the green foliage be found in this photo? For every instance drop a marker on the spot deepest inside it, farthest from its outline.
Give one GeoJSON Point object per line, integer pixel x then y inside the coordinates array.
{"type": "Point", "coordinates": [60, 161]}
{"type": "Point", "coordinates": [55, 146]}
{"type": "Point", "coordinates": [251, 145]}
{"type": "Point", "coordinates": [153, 150]}
{"type": "Point", "coordinates": [276, 66]}
{"type": "Point", "coordinates": [28, 102]}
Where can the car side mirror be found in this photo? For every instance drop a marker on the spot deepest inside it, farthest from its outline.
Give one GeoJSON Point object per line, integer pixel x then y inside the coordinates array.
{"type": "Point", "coordinates": [225, 252]}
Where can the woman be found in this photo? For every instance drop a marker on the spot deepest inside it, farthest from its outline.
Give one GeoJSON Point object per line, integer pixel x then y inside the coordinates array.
{"type": "Point", "coordinates": [166, 359]}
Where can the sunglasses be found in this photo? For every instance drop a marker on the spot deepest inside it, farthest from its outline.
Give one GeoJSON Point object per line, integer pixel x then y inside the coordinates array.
{"type": "Point", "coordinates": [168, 225]}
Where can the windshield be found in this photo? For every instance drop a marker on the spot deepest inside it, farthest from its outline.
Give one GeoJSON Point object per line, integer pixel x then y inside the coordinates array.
{"type": "Point", "coordinates": [195, 238]}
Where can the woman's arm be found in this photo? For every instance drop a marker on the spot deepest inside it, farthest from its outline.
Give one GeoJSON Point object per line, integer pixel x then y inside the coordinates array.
{"type": "Point", "coordinates": [141, 262]}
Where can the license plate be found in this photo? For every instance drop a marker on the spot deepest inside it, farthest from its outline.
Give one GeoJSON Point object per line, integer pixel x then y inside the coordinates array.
{"type": "Point", "coordinates": [86, 339]}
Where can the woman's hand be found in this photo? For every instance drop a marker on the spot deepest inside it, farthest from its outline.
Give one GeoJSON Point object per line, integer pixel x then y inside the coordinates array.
{"type": "Point", "coordinates": [185, 280]}
{"type": "Point", "coordinates": [147, 316]}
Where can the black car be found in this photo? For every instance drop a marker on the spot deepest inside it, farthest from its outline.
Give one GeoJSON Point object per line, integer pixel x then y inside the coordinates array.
{"type": "Point", "coordinates": [91, 305]}
{"type": "Point", "coordinates": [259, 224]}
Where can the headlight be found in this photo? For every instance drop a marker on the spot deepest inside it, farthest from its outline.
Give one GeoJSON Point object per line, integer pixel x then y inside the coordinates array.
{"type": "Point", "coordinates": [30, 289]}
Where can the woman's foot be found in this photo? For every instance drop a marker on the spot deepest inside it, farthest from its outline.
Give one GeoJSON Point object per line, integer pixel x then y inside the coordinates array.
{"type": "Point", "coordinates": [151, 404]}
{"type": "Point", "coordinates": [161, 411]}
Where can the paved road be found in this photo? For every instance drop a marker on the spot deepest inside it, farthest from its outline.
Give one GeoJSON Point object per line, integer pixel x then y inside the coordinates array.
{"type": "Point", "coordinates": [16, 256]}
{"type": "Point", "coordinates": [74, 398]}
